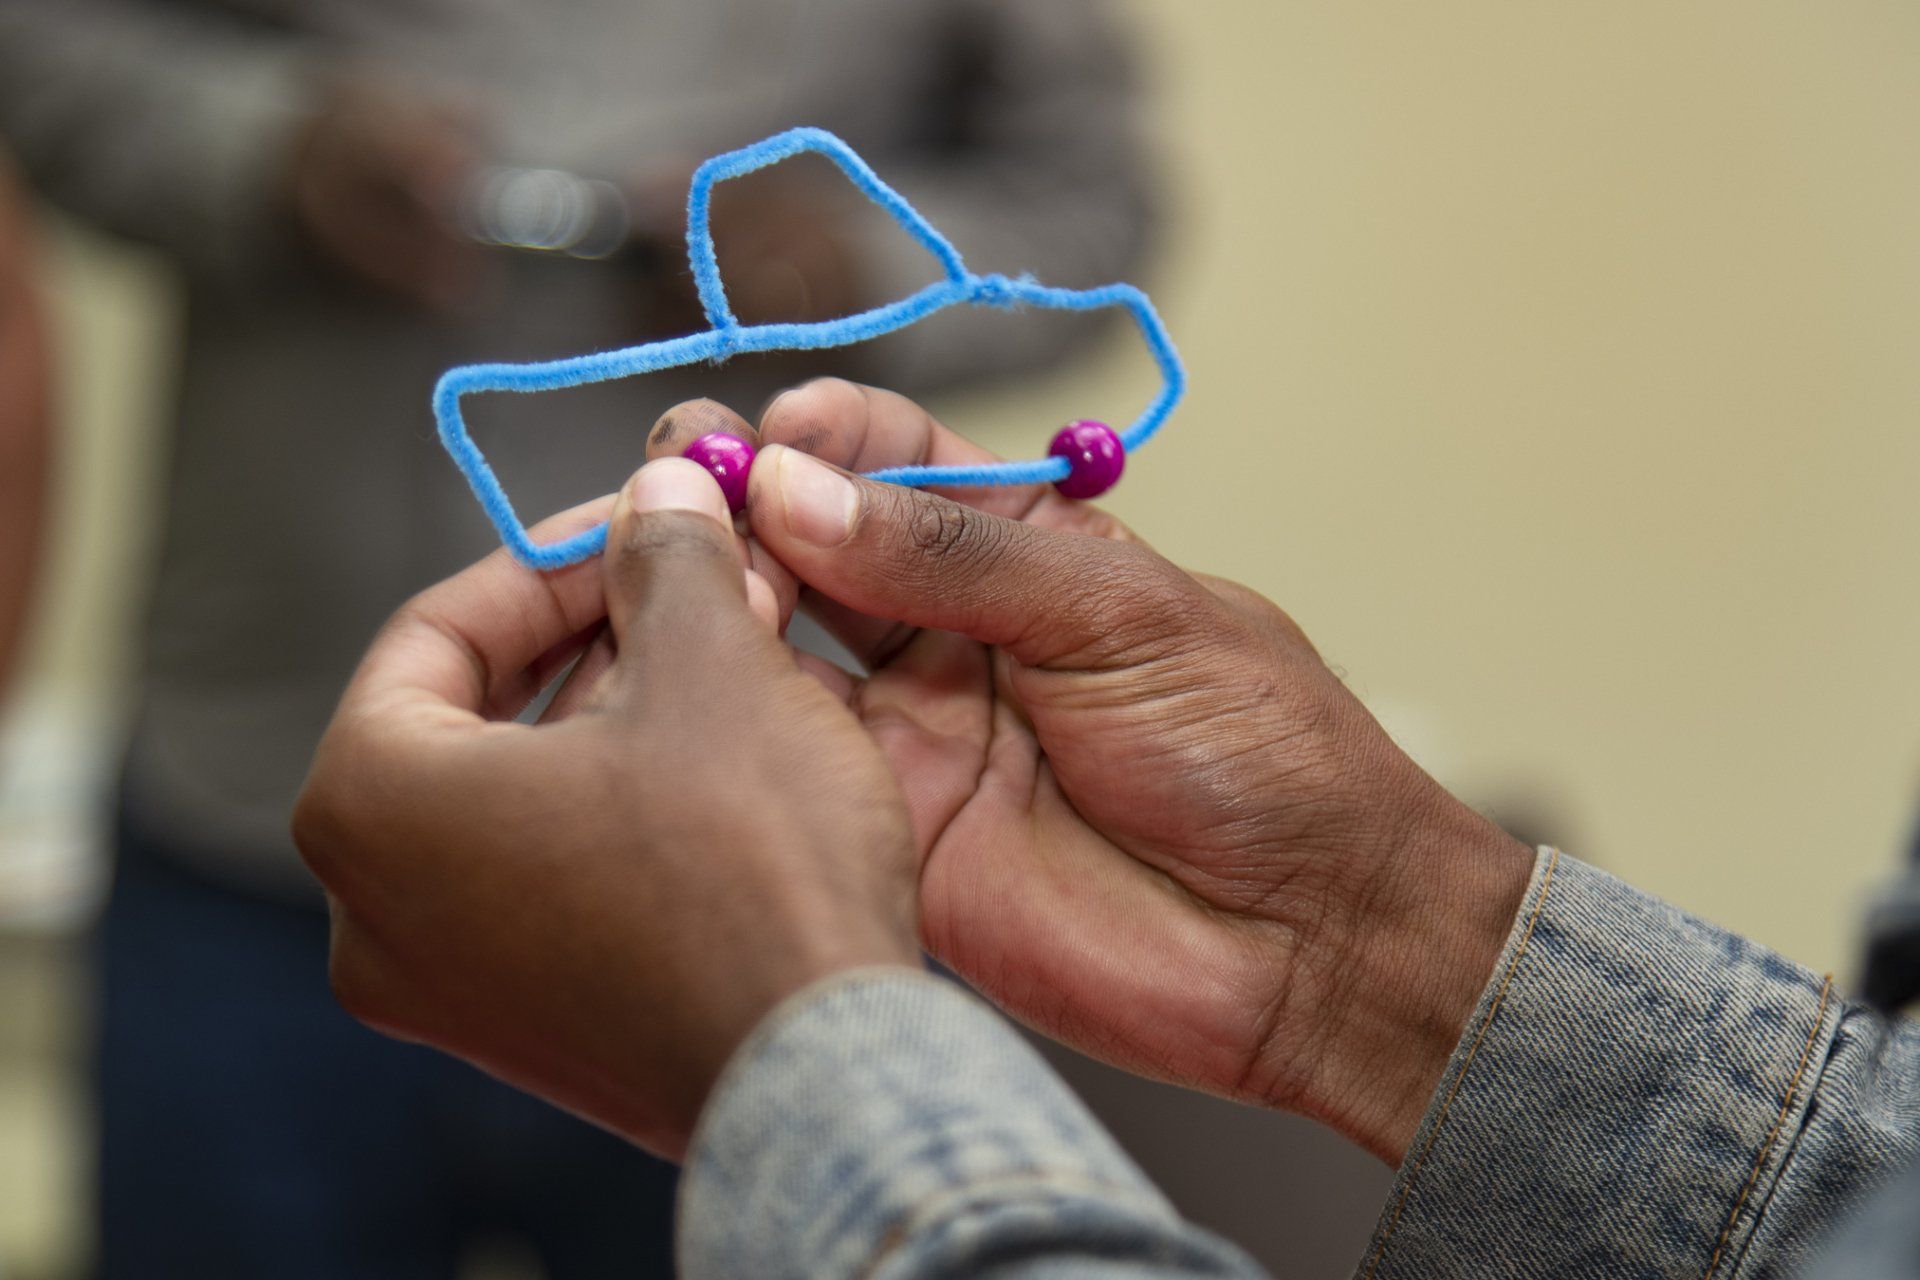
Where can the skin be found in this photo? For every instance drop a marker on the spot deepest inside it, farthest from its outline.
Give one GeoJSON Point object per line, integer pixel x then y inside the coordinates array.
{"type": "Point", "coordinates": [600, 907]}
{"type": "Point", "coordinates": [1139, 812]}
{"type": "Point", "coordinates": [25, 444]}
{"type": "Point", "coordinates": [1108, 759]}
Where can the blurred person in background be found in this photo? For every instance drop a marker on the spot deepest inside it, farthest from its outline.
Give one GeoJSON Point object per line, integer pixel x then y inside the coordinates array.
{"type": "Point", "coordinates": [23, 425]}
{"type": "Point", "coordinates": [336, 180]}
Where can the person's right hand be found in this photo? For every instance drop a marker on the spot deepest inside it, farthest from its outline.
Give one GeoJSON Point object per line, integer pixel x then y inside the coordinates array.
{"type": "Point", "coordinates": [601, 907]}
{"type": "Point", "coordinates": [1153, 823]}
{"type": "Point", "coordinates": [374, 183]}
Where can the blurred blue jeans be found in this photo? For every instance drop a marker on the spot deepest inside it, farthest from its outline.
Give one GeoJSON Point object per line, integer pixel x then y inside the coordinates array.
{"type": "Point", "coordinates": [249, 1128]}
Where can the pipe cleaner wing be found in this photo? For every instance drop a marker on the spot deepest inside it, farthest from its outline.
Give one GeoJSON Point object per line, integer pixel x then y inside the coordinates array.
{"type": "Point", "coordinates": [727, 337]}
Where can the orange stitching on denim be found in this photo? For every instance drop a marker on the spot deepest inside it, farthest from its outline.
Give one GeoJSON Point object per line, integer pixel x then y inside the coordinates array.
{"type": "Point", "coordinates": [1446, 1104]}
{"type": "Point", "coordinates": [1779, 1123]}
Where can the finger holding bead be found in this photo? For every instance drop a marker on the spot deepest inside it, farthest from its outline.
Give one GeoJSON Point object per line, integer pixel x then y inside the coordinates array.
{"type": "Point", "coordinates": [862, 428]}
{"type": "Point", "coordinates": [687, 421]}
{"type": "Point", "coordinates": [724, 444]}
{"type": "Point", "coordinates": [1049, 598]}
{"type": "Point", "coordinates": [711, 434]}
{"type": "Point", "coordinates": [729, 460]}
{"type": "Point", "coordinates": [671, 569]}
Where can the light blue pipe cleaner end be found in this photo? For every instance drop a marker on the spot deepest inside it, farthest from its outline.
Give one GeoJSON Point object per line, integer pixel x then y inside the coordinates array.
{"type": "Point", "coordinates": [727, 337]}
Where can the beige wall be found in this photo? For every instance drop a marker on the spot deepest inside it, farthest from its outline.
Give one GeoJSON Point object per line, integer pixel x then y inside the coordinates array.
{"type": "Point", "coordinates": [1560, 370]}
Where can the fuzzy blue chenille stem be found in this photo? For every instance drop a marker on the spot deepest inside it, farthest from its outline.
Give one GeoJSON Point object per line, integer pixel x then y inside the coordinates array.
{"type": "Point", "coordinates": [728, 337]}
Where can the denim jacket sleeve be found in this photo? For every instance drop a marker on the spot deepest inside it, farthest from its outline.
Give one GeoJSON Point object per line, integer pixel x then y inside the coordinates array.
{"type": "Point", "coordinates": [1638, 1094]}
{"type": "Point", "coordinates": [1641, 1094]}
{"type": "Point", "coordinates": [888, 1125]}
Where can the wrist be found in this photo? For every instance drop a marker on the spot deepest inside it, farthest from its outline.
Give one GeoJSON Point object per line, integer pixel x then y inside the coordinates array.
{"type": "Point", "coordinates": [759, 1008]}
{"type": "Point", "coordinates": [1434, 915]}
{"type": "Point", "coordinates": [801, 932]}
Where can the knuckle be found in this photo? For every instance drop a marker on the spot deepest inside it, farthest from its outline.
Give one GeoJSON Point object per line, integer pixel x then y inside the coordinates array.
{"type": "Point", "coordinates": [356, 985]}
{"type": "Point", "coordinates": [317, 829]}
{"type": "Point", "coordinates": [940, 529]}
{"type": "Point", "coordinates": [815, 415]}
{"type": "Point", "coordinates": [834, 390]}
{"type": "Point", "coordinates": [413, 615]}
{"type": "Point", "coordinates": [342, 819]}
{"type": "Point", "coordinates": [688, 534]}
{"type": "Point", "coordinates": [322, 823]}
{"type": "Point", "coordinates": [1265, 617]}
{"type": "Point", "coordinates": [1097, 522]}
{"type": "Point", "coordinates": [1139, 607]}
{"type": "Point", "coordinates": [1131, 582]}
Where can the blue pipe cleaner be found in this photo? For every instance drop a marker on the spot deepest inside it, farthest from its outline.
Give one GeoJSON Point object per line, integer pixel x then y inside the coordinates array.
{"type": "Point", "coordinates": [728, 337]}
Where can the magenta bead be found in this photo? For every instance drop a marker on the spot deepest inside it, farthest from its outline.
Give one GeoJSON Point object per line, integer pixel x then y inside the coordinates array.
{"type": "Point", "coordinates": [1095, 455]}
{"type": "Point", "coordinates": [729, 459]}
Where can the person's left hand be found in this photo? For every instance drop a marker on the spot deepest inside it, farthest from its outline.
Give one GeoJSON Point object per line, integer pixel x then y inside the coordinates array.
{"type": "Point", "coordinates": [782, 237]}
{"type": "Point", "coordinates": [599, 908]}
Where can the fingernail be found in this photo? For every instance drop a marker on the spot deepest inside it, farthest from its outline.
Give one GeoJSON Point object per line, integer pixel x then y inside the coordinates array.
{"type": "Point", "coordinates": [677, 484]}
{"type": "Point", "coordinates": [818, 501]}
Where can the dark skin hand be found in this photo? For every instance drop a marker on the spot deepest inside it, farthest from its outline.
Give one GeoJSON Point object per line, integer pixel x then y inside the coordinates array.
{"type": "Point", "coordinates": [601, 907]}
{"type": "Point", "coordinates": [372, 184]}
{"type": "Point", "coordinates": [1152, 823]}
{"type": "Point", "coordinates": [1148, 819]}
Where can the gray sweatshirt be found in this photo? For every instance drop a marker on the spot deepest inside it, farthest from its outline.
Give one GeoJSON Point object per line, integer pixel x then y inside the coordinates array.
{"type": "Point", "coordinates": [307, 496]}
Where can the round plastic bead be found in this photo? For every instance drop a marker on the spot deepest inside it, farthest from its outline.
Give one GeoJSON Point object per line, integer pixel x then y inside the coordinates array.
{"type": "Point", "coordinates": [1095, 454]}
{"type": "Point", "coordinates": [729, 459]}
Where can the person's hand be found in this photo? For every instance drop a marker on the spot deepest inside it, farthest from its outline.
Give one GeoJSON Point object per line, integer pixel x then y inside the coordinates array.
{"type": "Point", "coordinates": [374, 183]}
{"type": "Point", "coordinates": [783, 236]}
{"type": "Point", "coordinates": [1153, 823]}
{"type": "Point", "coordinates": [599, 908]}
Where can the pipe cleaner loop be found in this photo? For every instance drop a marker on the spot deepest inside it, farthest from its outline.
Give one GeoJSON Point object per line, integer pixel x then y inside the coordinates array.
{"type": "Point", "coordinates": [727, 337]}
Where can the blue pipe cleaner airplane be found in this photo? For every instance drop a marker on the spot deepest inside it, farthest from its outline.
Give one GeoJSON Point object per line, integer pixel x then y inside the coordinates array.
{"type": "Point", "coordinates": [727, 337]}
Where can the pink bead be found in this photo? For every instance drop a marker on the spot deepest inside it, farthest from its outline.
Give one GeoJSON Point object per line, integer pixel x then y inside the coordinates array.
{"type": "Point", "coordinates": [1095, 454]}
{"type": "Point", "coordinates": [730, 459]}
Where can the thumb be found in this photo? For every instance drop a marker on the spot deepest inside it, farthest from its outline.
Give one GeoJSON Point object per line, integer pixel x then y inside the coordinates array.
{"type": "Point", "coordinates": [1049, 598]}
{"type": "Point", "coordinates": [675, 585]}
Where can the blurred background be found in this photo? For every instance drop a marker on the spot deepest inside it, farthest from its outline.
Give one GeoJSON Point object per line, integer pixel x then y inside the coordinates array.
{"type": "Point", "coordinates": [1557, 371]}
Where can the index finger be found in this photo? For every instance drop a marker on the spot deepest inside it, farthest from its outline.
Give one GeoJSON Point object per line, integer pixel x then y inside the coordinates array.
{"type": "Point", "coordinates": [473, 640]}
{"type": "Point", "coordinates": [862, 428]}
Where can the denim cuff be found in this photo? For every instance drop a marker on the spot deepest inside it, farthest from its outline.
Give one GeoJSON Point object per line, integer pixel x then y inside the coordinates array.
{"type": "Point", "coordinates": [1622, 1102]}
{"type": "Point", "coordinates": [887, 1123]}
